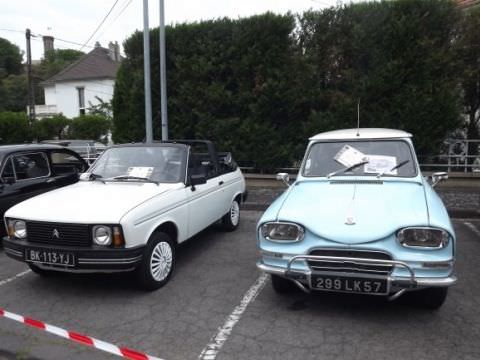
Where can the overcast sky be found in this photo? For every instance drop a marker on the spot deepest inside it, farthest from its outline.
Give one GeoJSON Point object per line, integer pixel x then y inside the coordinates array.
{"type": "Point", "coordinates": [76, 20]}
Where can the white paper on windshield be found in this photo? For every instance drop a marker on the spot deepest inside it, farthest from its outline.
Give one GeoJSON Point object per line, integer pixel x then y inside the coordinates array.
{"type": "Point", "coordinates": [140, 171]}
{"type": "Point", "coordinates": [348, 156]}
{"type": "Point", "coordinates": [380, 164]}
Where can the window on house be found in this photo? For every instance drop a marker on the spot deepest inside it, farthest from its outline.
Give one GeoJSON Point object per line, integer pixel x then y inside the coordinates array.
{"type": "Point", "coordinates": [81, 100]}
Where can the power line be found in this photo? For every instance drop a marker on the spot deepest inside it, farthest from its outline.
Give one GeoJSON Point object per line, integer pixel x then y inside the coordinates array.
{"type": "Point", "coordinates": [101, 23]}
{"type": "Point", "coordinates": [115, 19]}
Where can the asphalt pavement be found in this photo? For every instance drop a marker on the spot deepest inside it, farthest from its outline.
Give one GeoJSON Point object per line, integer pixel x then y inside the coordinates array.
{"type": "Point", "coordinates": [218, 300]}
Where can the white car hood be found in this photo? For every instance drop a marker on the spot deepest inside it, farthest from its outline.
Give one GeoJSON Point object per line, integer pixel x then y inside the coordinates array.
{"type": "Point", "coordinates": [88, 202]}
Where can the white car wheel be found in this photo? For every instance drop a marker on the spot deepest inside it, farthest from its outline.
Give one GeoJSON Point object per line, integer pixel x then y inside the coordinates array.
{"type": "Point", "coordinates": [231, 219]}
{"type": "Point", "coordinates": [161, 261]}
{"type": "Point", "coordinates": [158, 262]}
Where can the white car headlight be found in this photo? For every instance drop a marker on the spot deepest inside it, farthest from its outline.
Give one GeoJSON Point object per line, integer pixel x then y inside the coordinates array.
{"type": "Point", "coordinates": [423, 237]}
{"type": "Point", "coordinates": [17, 228]}
{"type": "Point", "coordinates": [282, 231]}
{"type": "Point", "coordinates": [102, 235]}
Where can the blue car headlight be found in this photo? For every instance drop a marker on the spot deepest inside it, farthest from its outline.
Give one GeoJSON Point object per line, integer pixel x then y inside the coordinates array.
{"type": "Point", "coordinates": [282, 231]}
{"type": "Point", "coordinates": [423, 237]}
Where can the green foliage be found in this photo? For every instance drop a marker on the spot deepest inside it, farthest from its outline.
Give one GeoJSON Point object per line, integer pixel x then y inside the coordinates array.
{"type": "Point", "coordinates": [14, 128]}
{"type": "Point", "coordinates": [260, 86]}
{"type": "Point", "coordinates": [102, 108]}
{"type": "Point", "coordinates": [468, 46]}
{"type": "Point", "coordinates": [10, 59]}
{"type": "Point", "coordinates": [50, 128]}
{"type": "Point", "coordinates": [94, 127]}
{"type": "Point", "coordinates": [13, 93]}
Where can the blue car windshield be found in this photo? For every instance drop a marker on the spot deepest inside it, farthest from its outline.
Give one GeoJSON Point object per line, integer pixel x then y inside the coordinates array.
{"type": "Point", "coordinates": [155, 163]}
{"type": "Point", "coordinates": [353, 158]}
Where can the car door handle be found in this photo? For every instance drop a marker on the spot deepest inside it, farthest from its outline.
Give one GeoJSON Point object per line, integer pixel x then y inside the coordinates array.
{"type": "Point", "coordinates": [220, 183]}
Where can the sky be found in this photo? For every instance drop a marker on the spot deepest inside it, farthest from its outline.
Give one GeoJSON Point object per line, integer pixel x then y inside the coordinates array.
{"type": "Point", "coordinates": [76, 21]}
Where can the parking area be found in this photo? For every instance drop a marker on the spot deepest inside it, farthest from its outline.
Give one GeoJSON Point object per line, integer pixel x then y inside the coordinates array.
{"type": "Point", "coordinates": [219, 301]}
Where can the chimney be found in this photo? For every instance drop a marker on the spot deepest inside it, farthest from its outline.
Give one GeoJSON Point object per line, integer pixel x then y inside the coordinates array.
{"type": "Point", "coordinates": [97, 44]}
{"type": "Point", "coordinates": [117, 51]}
{"type": "Point", "coordinates": [47, 45]}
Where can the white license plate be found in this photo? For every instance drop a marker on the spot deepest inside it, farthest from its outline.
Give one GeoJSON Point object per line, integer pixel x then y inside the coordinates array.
{"type": "Point", "coordinates": [51, 257]}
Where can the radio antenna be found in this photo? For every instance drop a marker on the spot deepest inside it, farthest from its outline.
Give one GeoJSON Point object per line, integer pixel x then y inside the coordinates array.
{"type": "Point", "coordinates": [358, 117]}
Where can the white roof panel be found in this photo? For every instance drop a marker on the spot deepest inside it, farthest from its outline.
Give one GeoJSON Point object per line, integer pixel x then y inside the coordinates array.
{"type": "Point", "coordinates": [362, 133]}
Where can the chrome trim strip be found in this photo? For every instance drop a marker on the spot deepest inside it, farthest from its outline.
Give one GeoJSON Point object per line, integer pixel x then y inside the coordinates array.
{"type": "Point", "coordinates": [182, 202]}
{"type": "Point", "coordinates": [13, 252]}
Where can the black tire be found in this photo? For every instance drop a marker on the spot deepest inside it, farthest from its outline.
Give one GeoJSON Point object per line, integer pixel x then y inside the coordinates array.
{"type": "Point", "coordinates": [431, 298]}
{"type": "Point", "coordinates": [42, 272]}
{"type": "Point", "coordinates": [160, 247]}
{"type": "Point", "coordinates": [283, 286]}
{"type": "Point", "coordinates": [231, 220]}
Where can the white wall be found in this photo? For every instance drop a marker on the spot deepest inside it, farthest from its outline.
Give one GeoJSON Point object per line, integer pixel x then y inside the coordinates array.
{"type": "Point", "coordinates": [65, 94]}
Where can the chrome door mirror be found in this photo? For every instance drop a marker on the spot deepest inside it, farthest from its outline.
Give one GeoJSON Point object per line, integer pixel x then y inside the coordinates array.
{"type": "Point", "coordinates": [284, 177]}
{"type": "Point", "coordinates": [437, 177]}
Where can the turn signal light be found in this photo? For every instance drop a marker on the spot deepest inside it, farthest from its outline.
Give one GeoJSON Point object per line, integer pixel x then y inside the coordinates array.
{"type": "Point", "coordinates": [118, 240]}
{"type": "Point", "coordinates": [10, 230]}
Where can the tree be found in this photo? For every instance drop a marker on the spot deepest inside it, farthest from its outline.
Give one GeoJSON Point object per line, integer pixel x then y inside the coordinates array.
{"type": "Point", "coordinates": [469, 55]}
{"type": "Point", "coordinates": [14, 128]}
{"type": "Point", "coordinates": [103, 108]}
{"type": "Point", "coordinates": [53, 127]}
{"type": "Point", "coordinates": [94, 127]}
{"type": "Point", "coordinates": [10, 59]}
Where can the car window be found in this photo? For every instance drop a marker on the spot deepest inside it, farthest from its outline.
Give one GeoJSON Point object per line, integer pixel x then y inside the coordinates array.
{"type": "Point", "coordinates": [390, 157]}
{"type": "Point", "coordinates": [30, 166]}
{"type": "Point", "coordinates": [66, 163]}
{"type": "Point", "coordinates": [8, 172]}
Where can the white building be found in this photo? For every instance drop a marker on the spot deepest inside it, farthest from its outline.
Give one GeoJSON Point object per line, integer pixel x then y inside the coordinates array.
{"type": "Point", "coordinates": [74, 89]}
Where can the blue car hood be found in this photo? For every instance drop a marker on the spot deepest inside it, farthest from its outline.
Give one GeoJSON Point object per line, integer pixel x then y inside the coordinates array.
{"type": "Point", "coordinates": [376, 209]}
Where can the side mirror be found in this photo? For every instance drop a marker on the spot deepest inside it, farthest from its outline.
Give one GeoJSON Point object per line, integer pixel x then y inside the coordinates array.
{"type": "Point", "coordinates": [284, 177]}
{"type": "Point", "coordinates": [197, 179]}
{"type": "Point", "coordinates": [437, 177]}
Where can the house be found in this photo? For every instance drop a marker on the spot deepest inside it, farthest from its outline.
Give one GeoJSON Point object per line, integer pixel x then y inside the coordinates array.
{"type": "Point", "coordinates": [74, 89]}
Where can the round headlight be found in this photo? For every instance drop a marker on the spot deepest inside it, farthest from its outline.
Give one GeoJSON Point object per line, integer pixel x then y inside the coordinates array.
{"type": "Point", "coordinates": [282, 231]}
{"type": "Point", "coordinates": [102, 235]}
{"type": "Point", "coordinates": [423, 238]}
{"type": "Point", "coordinates": [19, 229]}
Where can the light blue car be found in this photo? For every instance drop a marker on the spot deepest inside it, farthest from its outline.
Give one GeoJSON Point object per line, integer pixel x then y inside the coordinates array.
{"type": "Point", "coordinates": [360, 218]}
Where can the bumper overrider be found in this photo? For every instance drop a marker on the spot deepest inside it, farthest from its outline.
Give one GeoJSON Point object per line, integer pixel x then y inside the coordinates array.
{"type": "Point", "coordinates": [85, 259]}
{"type": "Point", "coordinates": [396, 285]}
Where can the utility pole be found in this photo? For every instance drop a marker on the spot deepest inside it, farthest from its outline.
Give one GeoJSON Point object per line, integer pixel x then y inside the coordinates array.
{"type": "Point", "coordinates": [163, 74]}
{"type": "Point", "coordinates": [31, 93]}
{"type": "Point", "coordinates": [146, 70]}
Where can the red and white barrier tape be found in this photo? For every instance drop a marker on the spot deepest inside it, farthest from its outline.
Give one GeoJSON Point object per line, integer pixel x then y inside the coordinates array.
{"type": "Point", "coordinates": [79, 338]}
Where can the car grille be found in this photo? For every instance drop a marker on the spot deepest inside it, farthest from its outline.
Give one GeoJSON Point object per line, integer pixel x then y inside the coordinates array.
{"type": "Point", "coordinates": [351, 267]}
{"type": "Point", "coordinates": [68, 234]}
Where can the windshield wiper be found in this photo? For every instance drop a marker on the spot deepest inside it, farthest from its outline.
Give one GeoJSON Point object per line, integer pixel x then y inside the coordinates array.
{"type": "Point", "coordinates": [94, 177]}
{"type": "Point", "coordinates": [354, 166]}
{"type": "Point", "coordinates": [399, 165]}
{"type": "Point", "coordinates": [138, 178]}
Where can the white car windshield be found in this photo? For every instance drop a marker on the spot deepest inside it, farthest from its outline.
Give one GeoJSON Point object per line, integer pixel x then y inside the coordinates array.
{"type": "Point", "coordinates": [153, 163]}
{"type": "Point", "coordinates": [368, 157]}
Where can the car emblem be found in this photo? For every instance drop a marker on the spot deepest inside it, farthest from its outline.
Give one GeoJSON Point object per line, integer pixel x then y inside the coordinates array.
{"type": "Point", "coordinates": [55, 234]}
{"type": "Point", "coordinates": [350, 221]}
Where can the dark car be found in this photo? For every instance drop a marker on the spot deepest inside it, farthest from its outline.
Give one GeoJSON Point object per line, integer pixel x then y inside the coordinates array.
{"type": "Point", "coordinates": [32, 169]}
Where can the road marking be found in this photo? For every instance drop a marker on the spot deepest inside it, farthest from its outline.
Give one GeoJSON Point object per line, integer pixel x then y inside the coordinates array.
{"type": "Point", "coordinates": [6, 281]}
{"type": "Point", "coordinates": [472, 227]}
{"type": "Point", "coordinates": [210, 351]}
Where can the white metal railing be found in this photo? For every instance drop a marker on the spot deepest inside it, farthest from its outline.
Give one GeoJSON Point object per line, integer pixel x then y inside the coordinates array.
{"type": "Point", "coordinates": [44, 110]}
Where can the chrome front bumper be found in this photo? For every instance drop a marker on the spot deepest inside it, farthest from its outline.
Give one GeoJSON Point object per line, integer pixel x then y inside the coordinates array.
{"type": "Point", "coordinates": [396, 283]}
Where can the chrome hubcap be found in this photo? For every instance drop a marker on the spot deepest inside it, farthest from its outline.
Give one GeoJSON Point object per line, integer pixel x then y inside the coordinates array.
{"type": "Point", "coordinates": [161, 261]}
{"type": "Point", "coordinates": [235, 213]}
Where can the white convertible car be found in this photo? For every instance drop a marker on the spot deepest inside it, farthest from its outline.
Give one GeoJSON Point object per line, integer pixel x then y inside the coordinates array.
{"type": "Point", "coordinates": [129, 212]}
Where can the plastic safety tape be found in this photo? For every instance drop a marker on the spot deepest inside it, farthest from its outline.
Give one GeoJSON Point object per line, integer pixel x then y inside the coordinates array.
{"type": "Point", "coordinates": [79, 338]}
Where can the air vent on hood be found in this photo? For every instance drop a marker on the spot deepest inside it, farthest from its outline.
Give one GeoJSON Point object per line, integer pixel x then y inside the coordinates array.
{"type": "Point", "coordinates": [367, 182]}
